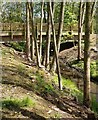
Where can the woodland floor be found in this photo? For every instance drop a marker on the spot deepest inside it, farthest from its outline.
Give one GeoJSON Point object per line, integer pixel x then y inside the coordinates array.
{"type": "Point", "coordinates": [19, 80]}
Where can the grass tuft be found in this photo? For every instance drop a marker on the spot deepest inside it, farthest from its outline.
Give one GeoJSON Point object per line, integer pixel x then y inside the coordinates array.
{"type": "Point", "coordinates": [17, 103]}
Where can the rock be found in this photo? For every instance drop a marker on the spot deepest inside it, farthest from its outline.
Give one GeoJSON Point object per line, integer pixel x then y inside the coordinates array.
{"type": "Point", "coordinates": [69, 110]}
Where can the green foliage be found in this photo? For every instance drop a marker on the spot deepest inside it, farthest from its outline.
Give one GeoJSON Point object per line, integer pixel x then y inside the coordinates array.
{"type": "Point", "coordinates": [70, 17]}
{"type": "Point", "coordinates": [74, 91]}
{"type": "Point", "coordinates": [4, 52]}
{"type": "Point", "coordinates": [27, 102]}
{"type": "Point", "coordinates": [94, 104]}
{"type": "Point", "coordinates": [20, 46]}
{"type": "Point", "coordinates": [93, 68]}
{"type": "Point", "coordinates": [68, 35]}
{"type": "Point", "coordinates": [42, 85]}
{"type": "Point", "coordinates": [57, 116]}
{"type": "Point", "coordinates": [21, 68]}
{"type": "Point", "coordinates": [37, 10]}
{"type": "Point", "coordinates": [13, 12]}
{"type": "Point", "coordinates": [17, 103]}
{"type": "Point", "coordinates": [71, 88]}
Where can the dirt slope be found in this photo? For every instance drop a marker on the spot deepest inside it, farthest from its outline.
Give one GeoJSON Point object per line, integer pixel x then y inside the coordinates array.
{"type": "Point", "coordinates": [21, 79]}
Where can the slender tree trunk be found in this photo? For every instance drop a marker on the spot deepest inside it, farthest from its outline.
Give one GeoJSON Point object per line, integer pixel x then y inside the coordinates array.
{"type": "Point", "coordinates": [27, 31]}
{"type": "Point", "coordinates": [48, 37]}
{"type": "Point", "coordinates": [32, 48]}
{"type": "Point", "coordinates": [32, 38]}
{"type": "Point", "coordinates": [79, 31]}
{"type": "Point", "coordinates": [34, 35]}
{"type": "Point", "coordinates": [46, 53]}
{"type": "Point", "coordinates": [92, 14]}
{"type": "Point", "coordinates": [87, 56]}
{"type": "Point", "coordinates": [83, 13]}
{"type": "Point", "coordinates": [44, 12]}
{"type": "Point", "coordinates": [55, 47]}
{"type": "Point", "coordinates": [41, 25]}
{"type": "Point", "coordinates": [61, 20]}
{"type": "Point", "coordinates": [80, 27]}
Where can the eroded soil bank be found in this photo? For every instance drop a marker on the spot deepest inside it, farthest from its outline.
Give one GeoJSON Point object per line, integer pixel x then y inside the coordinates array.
{"type": "Point", "coordinates": [23, 79]}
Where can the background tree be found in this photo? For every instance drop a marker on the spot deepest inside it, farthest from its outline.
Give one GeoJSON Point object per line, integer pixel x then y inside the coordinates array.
{"type": "Point", "coordinates": [80, 26]}
{"type": "Point", "coordinates": [92, 15]}
{"type": "Point", "coordinates": [34, 34]}
{"type": "Point", "coordinates": [13, 12]}
{"type": "Point", "coordinates": [41, 25]}
{"type": "Point", "coordinates": [48, 37]}
{"type": "Point", "coordinates": [27, 32]}
{"type": "Point", "coordinates": [87, 55]}
{"type": "Point", "coordinates": [55, 47]}
{"type": "Point", "coordinates": [60, 28]}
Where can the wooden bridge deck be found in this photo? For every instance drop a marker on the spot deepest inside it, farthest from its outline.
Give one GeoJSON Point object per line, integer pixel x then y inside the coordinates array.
{"type": "Point", "coordinates": [16, 32]}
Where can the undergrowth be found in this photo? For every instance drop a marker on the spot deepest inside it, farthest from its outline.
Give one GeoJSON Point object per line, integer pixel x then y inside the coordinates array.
{"type": "Point", "coordinates": [17, 103]}
{"type": "Point", "coordinates": [20, 46]}
{"type": "Point", "coordinates": [44, 85]}
{"type": "Point", "coordinates": [94, 104]}
{"type": "Point", "coordinates": [70, 87]}
{"type": "Point", "coordinates": [93, 68]}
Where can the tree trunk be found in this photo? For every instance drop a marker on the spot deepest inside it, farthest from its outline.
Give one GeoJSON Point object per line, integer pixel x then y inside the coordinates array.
{"type": "Point", "coordinates": [48, 37]}
{"type": "Point", "coordinates": [46, 53]}
{"type": "Point", "coordinates": [87, 56]}
{"type": "Point", "coordinates": [32, 39]}
{"type": "Point", "coordinates": [80, 27]}
{"type": "Point", "coordinates": [41, 25]}
{"type": "Point", "coordinates": [55, 47]}
{"type": "Point", "coordinates": [92, 14]}
{"type": "Point", "coordinates": [59, 33]}
{"type": "Point", "coordinates": [44, 12]}
{"type": "Point", "coordinates": [34, 35]}
{"type": "Point", "coordinates": [32, 48]}
{"type": "Point", "coordinates": [27, 31]}
{"type": "Point", "coordinates": [79, 31]}
{"type": "Point", "coordinates": [61, 21]}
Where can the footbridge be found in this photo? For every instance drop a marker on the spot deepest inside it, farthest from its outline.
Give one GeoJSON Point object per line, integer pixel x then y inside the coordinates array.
{"type": "Point", "coordinates": [17, 32]}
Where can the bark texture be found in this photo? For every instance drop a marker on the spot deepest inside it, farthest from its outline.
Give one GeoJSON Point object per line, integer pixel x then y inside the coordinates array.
{"type": "Point", "coordinates": [87, 56]}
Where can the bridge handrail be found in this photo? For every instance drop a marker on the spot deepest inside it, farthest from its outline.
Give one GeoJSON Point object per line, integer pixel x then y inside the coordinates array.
{"type": "Point", "coordinates": [21, 27]}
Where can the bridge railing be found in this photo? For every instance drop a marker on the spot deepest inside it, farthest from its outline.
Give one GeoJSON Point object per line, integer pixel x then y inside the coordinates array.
{"type": "Point", "coordinates": [21, 27]}
{"type": "Point", "coordinates": [12, 26]}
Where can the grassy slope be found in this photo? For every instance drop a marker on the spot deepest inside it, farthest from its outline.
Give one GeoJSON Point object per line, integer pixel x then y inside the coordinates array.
{"type": "Point", "coordinates": [30, 92]}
